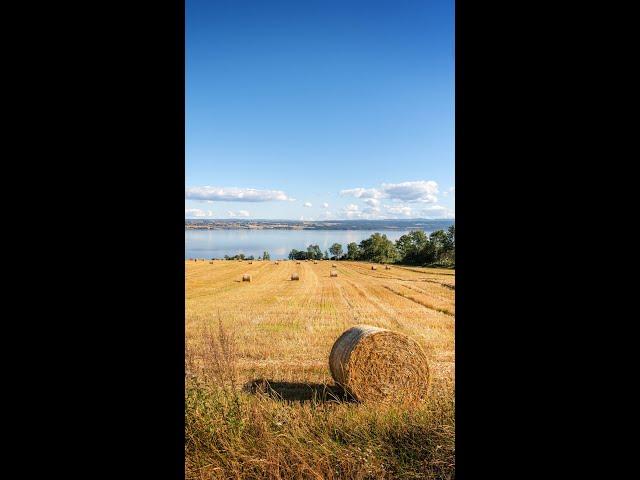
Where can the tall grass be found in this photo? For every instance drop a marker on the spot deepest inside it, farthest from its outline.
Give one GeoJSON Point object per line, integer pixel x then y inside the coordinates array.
{"type": "Point", "coordinates": [233, 432]}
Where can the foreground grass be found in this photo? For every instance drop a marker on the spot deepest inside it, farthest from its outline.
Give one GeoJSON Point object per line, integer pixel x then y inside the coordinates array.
{"type": "Point", "coordinates": [260, 402]}
{"type": "Point", "coordinates": [237, 435]}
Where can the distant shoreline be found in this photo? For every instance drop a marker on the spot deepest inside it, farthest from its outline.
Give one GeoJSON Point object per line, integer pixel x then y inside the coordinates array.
{"type": "Point", "coordinates": [388, 225]}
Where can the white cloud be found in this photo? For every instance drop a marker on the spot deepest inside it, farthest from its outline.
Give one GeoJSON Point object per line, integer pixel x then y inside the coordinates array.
{"type": "Point", "coordinates": [362, 193]}
{"type": "Point", "coordinates": [420, 191]}
{"type": "Point", "coordinates": [239, 213]}
{"type": "Point", "coordinates": [307, 204]}
{"type": "Point", "coordinates": [437, 211]}
{"type": "Point", "coordinates": [399, 210]}
{"type": "Point", "coordinates": [372, 202]}
{"type": "Point", "coordinates": [451, 190]}
{"type": "Point", "coordinates": [425, 191]}
{"type": "Point", "coordinates": [325, 205]}
{"type": "Point", "coordinates": [197, 212]}
{"type": "Point", "coordinates": [234, 194]}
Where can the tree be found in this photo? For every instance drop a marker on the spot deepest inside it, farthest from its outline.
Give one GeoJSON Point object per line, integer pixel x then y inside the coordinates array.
{"type": "Point", "coordinates": [326, 255]}
{"type": "Point", "coordinates": [440, 243]}
{"type": "Point", "coordinates": [410, 245]}
{"type": "Point", "coordinates": [336, 250]}
{"type": "Point", "coordinates": [378, 248]}
{"type": "Point", "coordinates": [314, 252]}
{"type": "Point", "coordinates": [451, 244]}
{"type": "Point", "coordinates": [266, 256]}
{"type": "Point", "coordinates": [297, 255]}
{"type": "Point", "coordinates": [353, 251]}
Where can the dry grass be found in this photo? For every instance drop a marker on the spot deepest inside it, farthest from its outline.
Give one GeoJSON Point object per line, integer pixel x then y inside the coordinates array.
{"type": "Point", "coordinates": [260, 399]}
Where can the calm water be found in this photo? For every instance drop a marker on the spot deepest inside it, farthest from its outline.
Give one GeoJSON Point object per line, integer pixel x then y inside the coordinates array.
{"type": "Point", "coordinates": [218, 243]}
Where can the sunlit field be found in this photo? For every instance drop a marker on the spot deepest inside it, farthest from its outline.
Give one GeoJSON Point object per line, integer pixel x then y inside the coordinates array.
{"type": "Point", "coordinates": [260, 400]}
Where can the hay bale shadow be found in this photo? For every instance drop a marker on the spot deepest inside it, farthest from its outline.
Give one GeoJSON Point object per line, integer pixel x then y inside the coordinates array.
{"type": "Point", "coordinates": [298, 391]}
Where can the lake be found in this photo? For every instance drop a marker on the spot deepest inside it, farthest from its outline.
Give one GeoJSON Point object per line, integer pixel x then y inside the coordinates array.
{"type": "Point", "coordinates": [218, 243]}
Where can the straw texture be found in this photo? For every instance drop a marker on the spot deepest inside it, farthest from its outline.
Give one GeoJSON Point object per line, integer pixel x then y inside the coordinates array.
{"type": "Point", "coordinates": [374, 364]}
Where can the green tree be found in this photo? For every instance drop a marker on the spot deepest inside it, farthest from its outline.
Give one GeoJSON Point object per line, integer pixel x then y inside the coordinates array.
{"type": "Point", "coordinates": [314, 252]}
{"type": "Point", "coordinates": [353, 251]}
{"type": "Point", "coordinates": [378, 248]}
{"type": "Point", "coordinates": [336, 250]}
{"type": "Point", "coordinates": [297, 254]}
{"type": "Point", "coordinates": [266, 256]}
{"type": "Point", "coordinates": [410, 245]}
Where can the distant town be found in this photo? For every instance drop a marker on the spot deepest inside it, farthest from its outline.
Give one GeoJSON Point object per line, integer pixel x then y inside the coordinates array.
{"type": "Point", "coordinates": [236, 224]}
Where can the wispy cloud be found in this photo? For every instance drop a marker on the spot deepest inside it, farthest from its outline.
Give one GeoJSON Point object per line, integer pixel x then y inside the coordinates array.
{"type": "Point", "coordinates": [362, 193]}
{"type": "Point", "coordinates": [325, 205]}
{"type": "Point", "coordinates": [425, 191]}
{"type": "Point", "coordinates": [239, 213]}
{"type": "Point", "coordinates": [308, 204]}
{"type": "Point", "coordinates": [233, 194]}
{"type": "Point", "coordinates": [197, 213]}
{"type": "Point", "coordinates": [437, 211]}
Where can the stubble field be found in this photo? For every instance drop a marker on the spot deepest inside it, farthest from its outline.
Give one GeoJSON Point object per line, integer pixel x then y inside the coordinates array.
{"type": "Point", "coordinates": [260, 400]}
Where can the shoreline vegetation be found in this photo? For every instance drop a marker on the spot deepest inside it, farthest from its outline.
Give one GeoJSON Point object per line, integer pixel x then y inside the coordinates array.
{"type": "Point", "coordinates": [238, 224]}
{"type": "Point", "coordinates": [416, 248]}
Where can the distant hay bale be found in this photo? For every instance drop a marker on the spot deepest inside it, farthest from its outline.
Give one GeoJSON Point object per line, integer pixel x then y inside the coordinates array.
{"type": "Point", "coordinates": [387, 267]}
{"type": "Point", "coordinates": [277, 263]}
{"type": "Point", "coordinates": [294, 276]}
{"type": "Point", "coordinates": [211, 262]}
{"type": "Point", "coordinates": [333, 265]}
{"type": "Point", "coordinates": [246, 277]}
{"type": "Point", "coordinates": [334, 273]}
{"type": "Point", "coordinates": [374, 364]}
{"type": "Point", "coordinates": [250, 263]}
{"type": "Point", "coordinates": [315, 263]}
{"type": "Point", "coordinates": [373, 267]}
{"type": "Point", "coordinates": [297, 263]}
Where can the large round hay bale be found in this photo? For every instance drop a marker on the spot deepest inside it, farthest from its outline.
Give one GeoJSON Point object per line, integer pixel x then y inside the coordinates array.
{"type": "Point", "coordinates": [294, 276]}
{"type": "Point", "coordinates": [373, 267]}
{"type": "Point", "coordinates": [334, 273]}
{"type": "Point", "coordinates": [374, 364]}
{"type": "Point", "coordinates": [246, 277]}
{"type": "Point", "coordinates": [333, 265]}
{"type": "Point", "coordinates": [277, 263]}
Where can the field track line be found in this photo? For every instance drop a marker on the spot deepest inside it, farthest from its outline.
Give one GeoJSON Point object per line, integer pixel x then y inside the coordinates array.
{"type": "Point", "coordinates": [419, 302]}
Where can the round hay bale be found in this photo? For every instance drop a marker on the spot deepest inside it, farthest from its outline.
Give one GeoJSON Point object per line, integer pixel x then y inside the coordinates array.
{"type": "Point", "coordinates": [295, 276]}
{"type": "Point", "coordinates": [277, 263]}
{"type": "Point", "coordinates": [374, 364]}
{"type": "Point", "coordinates": [246, 277]}
{"type": "Point", "coordinates": [297, 263]}
{"type": "Point", "coordinates": [250, 263]}
{"type": "Point", "coordinates": [373, 267]}
{"type": "Point", "coordinates": [333, 265]}
{"type": "Point", "coordinates": [387, 267]}
{"type": "Point", "coordinates": [315, 263]}
{"type": "Point", "coordinates": [211, 263]}
{"type": "Point", "coordinates": [334, 273]}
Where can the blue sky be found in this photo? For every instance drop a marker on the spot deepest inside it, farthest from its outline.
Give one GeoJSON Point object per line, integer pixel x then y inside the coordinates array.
{"type": "Point", "coordinates": [319, 109]}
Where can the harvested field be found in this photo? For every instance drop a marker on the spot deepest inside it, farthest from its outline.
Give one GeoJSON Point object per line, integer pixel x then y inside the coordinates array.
{"type": "Point", "coordinates": [260, 399]}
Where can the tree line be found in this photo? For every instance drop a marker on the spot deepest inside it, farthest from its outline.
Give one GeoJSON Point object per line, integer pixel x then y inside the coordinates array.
{"type": "Point", "coordinates": [414, 248]}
